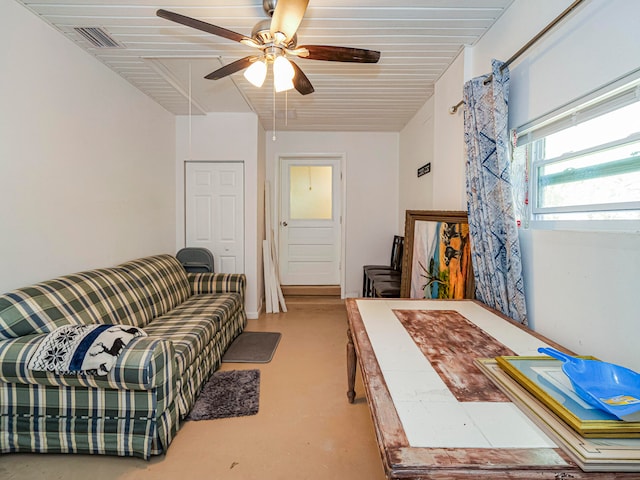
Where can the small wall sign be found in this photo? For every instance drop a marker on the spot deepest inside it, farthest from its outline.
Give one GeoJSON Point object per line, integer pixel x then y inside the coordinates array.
{"type": "Point", "coordinates": [423, 170]}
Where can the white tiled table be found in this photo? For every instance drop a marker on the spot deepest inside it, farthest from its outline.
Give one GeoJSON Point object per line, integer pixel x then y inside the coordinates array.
{"type": "Point", "coordinates": [423, 431]}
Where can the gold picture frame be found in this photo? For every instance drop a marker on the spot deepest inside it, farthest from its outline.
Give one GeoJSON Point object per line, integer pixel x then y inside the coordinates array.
{"type": "Point", "coordinates": [544, 379]}
{"type": "Point", "coordinates": [436, 261]}
{"type": "Point", "coordinates": [608, 454]}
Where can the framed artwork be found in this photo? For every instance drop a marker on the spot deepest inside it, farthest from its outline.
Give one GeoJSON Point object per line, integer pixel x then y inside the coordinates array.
{"type": "Point", "coordinates": [437, 256]}
{"type": "Point", "coordinates": [615, 453]}
{"type": "Point", "coordinates": [544, 379]}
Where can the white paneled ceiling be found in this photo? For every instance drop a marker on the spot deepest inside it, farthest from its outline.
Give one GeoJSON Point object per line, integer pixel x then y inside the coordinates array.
{"type": "Point", "coordinates": [418, 40]}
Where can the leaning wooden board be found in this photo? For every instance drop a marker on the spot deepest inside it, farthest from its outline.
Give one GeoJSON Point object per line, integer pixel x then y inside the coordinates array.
{"type": "Point", "coordinates": [402, 456]}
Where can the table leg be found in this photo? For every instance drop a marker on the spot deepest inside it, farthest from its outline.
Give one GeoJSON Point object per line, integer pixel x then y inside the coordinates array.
{"type": "Point", "coordinates": [351, 368]}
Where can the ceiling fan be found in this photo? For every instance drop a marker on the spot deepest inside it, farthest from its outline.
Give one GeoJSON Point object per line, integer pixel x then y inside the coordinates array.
{"type": "Point", "coordinates": [276, 39]}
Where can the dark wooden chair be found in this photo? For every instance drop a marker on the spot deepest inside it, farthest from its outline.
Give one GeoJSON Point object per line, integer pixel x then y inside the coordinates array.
{"type": "Point", "coordinates": [387, 288]}
{"type": "Point", "coordinates": [383, 274]}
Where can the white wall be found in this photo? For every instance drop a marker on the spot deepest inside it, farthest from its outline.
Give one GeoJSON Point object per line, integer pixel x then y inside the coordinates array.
{"type": "Point", "coordinates": [227, 137]}
{"type": "Point", "coordinates": [371, 176]}
{"type": "Point", "coordinates": [437, 135]}
{"type": "Point", "coordinates": [581, 286]}
{"type": "Point", "coordinates": [416, 150]}
{"type": "Point", "coordinates": [86, 160]}
{"type": "Point", "coordinates": [449, 167]}
{"type": "Point", "coordinates": [582, 290]}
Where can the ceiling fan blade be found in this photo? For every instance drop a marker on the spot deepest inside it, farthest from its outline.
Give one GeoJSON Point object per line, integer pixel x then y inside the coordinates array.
{"type": "Point", "coordinates": [301, 82]}
{"type": "Point", "coordinates": [233, 67]}
{"type": "Point", "coordinates": [341, 54]}
{"type": "Point", "coordinates": [200, 25]}
{"type": "Point", "coordinates": [287, 17]}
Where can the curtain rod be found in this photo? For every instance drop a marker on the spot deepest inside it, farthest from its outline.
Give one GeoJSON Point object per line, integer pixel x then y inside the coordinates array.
{"type": "Point", "coordinates": [526, 47]}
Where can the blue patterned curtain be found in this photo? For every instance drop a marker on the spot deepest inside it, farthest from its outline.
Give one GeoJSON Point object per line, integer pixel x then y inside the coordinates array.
{"type": "Point", "coordinates": [494, 235]}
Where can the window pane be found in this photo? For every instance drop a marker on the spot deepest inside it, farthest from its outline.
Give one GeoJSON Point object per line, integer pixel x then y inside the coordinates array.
{"type": "Point", "coordinates": [310, 192]}
{"type": "Point", "coordinates": [584, 158]}
{"type": "Point", "coordinates": [607, 128]}
{"type": "Point", "coordinates": [601, 177]}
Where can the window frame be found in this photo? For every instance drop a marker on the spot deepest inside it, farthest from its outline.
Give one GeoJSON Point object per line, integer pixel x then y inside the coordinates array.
{"type": "Point", "coordinates": [622, 92]}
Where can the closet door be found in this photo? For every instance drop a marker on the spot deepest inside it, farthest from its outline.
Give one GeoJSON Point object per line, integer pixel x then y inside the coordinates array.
{"type": "Point", "coordinates": [214, 216]}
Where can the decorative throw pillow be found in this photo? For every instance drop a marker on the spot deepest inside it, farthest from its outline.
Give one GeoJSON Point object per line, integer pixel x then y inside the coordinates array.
{"type": "Point", "coordinates": [91, 349]}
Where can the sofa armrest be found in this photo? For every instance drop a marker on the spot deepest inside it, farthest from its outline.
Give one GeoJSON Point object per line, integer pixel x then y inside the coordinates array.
{"type": "Point", "coordinates": [217, 283]}
{"type": "Point", "coordinates": [145, 363]}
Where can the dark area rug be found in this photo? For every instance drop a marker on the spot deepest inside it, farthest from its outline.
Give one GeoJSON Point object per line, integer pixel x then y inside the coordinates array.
{"type": "Point", "coordinates": [233, 393]}
{"type": "Point", "coordinates": [252, 347]}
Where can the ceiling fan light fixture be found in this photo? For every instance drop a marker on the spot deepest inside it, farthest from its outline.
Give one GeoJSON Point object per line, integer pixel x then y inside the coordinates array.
{"type": "Point", "coordinates": [276, 38]}
{"type": "Point", "coordinates": [256, 73]}
{"type": "Point", "coordinates": [283, 74]}
{"type": "Point", "coordinates": [283, 85]}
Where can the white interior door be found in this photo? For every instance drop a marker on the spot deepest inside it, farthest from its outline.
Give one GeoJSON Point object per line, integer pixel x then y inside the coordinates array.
{"type": "Point", "coordinates": [310, 221]}
{"type": "Point", "coordinates": [214, 217]}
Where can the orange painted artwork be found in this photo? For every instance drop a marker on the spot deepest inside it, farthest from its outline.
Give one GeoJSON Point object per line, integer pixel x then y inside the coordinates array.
{"type": "Point", "coordinates": [441, 266]}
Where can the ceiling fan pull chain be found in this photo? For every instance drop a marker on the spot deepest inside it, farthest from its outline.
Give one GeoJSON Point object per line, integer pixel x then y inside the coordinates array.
{"type": "Point", "coordinates": [190, 115]}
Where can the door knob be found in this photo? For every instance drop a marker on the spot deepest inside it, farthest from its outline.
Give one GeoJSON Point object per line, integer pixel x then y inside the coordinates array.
{"type": "Point", "coordinates": [284, 224]}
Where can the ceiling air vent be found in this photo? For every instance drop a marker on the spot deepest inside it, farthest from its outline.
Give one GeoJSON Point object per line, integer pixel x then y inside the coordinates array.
{"type": "Point", "coordinates": [97, 37]}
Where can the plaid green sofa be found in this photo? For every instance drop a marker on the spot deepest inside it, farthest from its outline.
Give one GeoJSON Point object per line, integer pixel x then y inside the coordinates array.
{"type": "Point", "coordinates": [135, 410]}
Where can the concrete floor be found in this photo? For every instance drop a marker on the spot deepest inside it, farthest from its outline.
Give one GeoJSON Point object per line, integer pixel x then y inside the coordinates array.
{"type": "Point", "coordinates": [305, 428]}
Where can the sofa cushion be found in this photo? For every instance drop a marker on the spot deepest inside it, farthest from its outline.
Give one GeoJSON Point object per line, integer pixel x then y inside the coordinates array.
{"type": "Point", "coordinates": [162, 281]}
{"type": "Point", "coordinates": [145, 364]}
{"type": "Point", "coordinates": [190, 327]}
{"type": "Point", "coordinates": [96, 296]}
{"type": "Point", "coordinates": [92, 349]}
{"type": "Point", "coordinates": [217, 283]}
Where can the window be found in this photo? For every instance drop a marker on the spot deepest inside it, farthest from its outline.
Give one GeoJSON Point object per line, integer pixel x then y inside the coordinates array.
{"type": "Point", "coordinates": [583, 161]}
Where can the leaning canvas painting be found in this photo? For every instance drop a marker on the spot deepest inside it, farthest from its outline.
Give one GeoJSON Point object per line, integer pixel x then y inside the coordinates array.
{"type": "Point", "coordinates": [438, 256]}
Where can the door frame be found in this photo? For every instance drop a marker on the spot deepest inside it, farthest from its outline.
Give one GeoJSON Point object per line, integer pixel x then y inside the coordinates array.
{"type": "Point", "coordinates": [341, 158]}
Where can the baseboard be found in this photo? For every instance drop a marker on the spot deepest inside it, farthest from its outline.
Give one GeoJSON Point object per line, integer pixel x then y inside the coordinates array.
{"type": "Point", "coordinates": [311, 290]}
